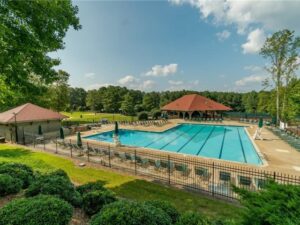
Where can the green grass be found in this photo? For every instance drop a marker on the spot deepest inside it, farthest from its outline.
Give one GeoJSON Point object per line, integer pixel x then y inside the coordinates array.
{"type": "Point", "coordinates": [88, 117]}
{"type": "Point", "coordinates": [125, 186]}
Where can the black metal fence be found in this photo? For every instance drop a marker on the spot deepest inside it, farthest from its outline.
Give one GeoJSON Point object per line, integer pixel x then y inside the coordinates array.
{"type": "Point", "coordinates": [193, 173]}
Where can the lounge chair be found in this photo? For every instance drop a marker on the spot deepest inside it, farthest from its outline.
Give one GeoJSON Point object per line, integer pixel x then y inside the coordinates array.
{"type": "Point", "coordinates": [157, 164]}
{"type": "Point", "coordinates": [202, 173]}
{"type": "Point", "coordinates": [183, 168]}
{"type": "Point", "coordinates": [224, 177]}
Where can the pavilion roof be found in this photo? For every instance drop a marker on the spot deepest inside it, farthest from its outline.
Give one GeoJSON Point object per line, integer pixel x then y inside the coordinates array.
{"type": "Point", "coordinates": [195, 102]}
{"type": "Point", "coordinates": [29, 113]}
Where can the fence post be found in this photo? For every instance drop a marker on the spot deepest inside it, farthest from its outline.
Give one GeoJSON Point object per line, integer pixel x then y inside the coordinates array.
{"type": "Point", "coordinates": [44, 144]}
{"type": "Point", "coordinates": [213, 183]}
{"type": "Point", "coordinates": [88, 152]}
{"type": "Point", "coordinates": [56, 145]}
{"type": "Point", "coordinates": [169, 170]}
{"type": "Point", "coordinates": [71, 148]}
{"type": "Point", "coordinates": [109, 156]}
{"type": "Point", "coordinates": [33, 142]}
{"type": "Point", "coordinates": [135, 172]}
{"type": "Point", "coordinates": [274, 176]}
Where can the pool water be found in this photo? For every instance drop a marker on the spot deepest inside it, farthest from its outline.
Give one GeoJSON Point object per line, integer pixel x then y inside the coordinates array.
{"type": "Point", "coordinates": [213, 141]}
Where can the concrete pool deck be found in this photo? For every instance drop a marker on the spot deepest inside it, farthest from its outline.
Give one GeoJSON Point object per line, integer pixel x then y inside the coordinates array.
{"type": "Point", "coordinates": [279, 155]}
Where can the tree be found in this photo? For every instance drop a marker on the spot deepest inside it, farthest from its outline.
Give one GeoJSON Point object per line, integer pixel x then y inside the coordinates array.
{"type": "Point", "coordinates": [77, 98]}
{"type": "Point", "coordinates": [282, 49]}
{"type": "Point", "coordinates": [128, 105]}
{"type": "Point", "coordinates": [294, 99]}
{"type": "Point", "coordinates": [151, 101]}
{"type": "Point", "coordinates": [29, 30]}
{"type": "Point", "coordinates": [113, 96]}
{"type": "Point", "coordinates": [59, 93]}
{"type": "Point", "coordinates": [94, 100]}
{"type": "Point", "coordinates": [250, 102]}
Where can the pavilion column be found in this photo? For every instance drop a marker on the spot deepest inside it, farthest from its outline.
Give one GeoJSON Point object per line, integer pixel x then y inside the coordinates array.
{"type": "Point", "coordinates": [190, 115]}
{"type": "Point", "coordinates": [178, 115]}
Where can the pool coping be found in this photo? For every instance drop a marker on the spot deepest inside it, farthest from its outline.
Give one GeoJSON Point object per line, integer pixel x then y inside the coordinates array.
{"type": "Point", "coordinates": [264, 162]}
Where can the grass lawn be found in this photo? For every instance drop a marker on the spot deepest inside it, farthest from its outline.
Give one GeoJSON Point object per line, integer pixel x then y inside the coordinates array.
{"type": "Point", "coordinates": [125, 186]}
{"type": "Point", "coordinates": [88, 117]}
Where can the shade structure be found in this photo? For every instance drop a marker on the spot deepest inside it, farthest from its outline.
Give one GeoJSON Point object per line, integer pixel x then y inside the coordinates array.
{"type": "Point", "coordinates": [260, 122]}
{"type": "Point", "coordinates": [116, 128]}
{"type": "Point", "coordinates": [79, 142]}
{"type": "Point", "coordinates": [40, 132]}
{"type": "Point", "coordinates": [61, 133]}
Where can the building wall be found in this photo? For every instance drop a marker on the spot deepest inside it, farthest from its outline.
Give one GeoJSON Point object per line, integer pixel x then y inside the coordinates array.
{"type": "Point", "coordinates": [49, 129]}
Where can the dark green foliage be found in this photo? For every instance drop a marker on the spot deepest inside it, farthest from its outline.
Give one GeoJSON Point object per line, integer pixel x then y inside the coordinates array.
{"type": "Point", "coordinates": [18, 170]}
{"type": "Point", "coordinates": [143, 116]}
{"type": "Point", "coordinates": [156, 114]}
{"type": "Point", "coordinates": [9, 185]}
{"type": "Point", "coordinates": [166, 207]}
{"type": "Point", "coordinates": [275, 204]}
{"type": "Point", "coordinates": [39, 210]}
{"type": "Point", "coordinates": [94, 201]}
{"type": "Point", "coordinates": [130, 213]}
{"type": "Point", "coordinates": [55, 184]}
{"type": "Point", "coordinates": [91, 186]}
{"type": "Point", "coordinates": [192, 218]}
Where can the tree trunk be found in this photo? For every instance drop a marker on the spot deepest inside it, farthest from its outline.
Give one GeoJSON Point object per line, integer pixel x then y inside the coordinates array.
{"type": "Point", "coordinates": [277, 104]}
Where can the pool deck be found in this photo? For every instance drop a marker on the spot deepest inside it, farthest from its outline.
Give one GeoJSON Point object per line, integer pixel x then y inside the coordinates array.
{"type": "Point", "coordinates": [277, 154]}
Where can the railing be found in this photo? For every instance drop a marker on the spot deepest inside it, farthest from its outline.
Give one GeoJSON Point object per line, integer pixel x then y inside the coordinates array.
{"type": "Point", "coordinates": [194, 173]}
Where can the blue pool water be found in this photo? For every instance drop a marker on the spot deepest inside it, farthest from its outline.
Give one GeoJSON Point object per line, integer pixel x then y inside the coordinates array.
{"type": "Point", "coordinates": [212, 141]}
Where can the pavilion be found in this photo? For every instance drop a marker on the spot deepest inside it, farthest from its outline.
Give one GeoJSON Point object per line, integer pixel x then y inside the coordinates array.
{"type": "Point", "coordinates": [29, 119]}
{"type": "Point", "coordinates": [194, 105]}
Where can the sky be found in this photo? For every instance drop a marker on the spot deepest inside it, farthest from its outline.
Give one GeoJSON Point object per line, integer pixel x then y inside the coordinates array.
{"type": "Point", "coordinates": [174, 45]}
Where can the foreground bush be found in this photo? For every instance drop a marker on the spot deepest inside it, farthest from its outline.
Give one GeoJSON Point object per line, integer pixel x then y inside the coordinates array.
{"type": "Point", "coordinates": [130, 213]}
{"type": "Point", "coordinates": [91, 186]}
{"type": "Point", "coordinates": [57, 184]}
{"type": "Point", "coordinates": [166, 207]}
{"type": "Point", "coordinates": [143, 116]}
{"type": "Point", "coordinates": [275, 204]}
{"type": "Point", "coordinates": [19, 171]}
{"type": "Point", "coordinates": [9, 185]}
{"type": "Point", "coordinates": [39, 210]}
{"type": "Point", "coordinates": [192, 218]}
{"type": "Point", "coordinates": [94, 201]}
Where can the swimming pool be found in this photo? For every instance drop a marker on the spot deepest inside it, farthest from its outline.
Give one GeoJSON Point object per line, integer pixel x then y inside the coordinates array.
{"type": "Point", "coordinates": [213, 141]}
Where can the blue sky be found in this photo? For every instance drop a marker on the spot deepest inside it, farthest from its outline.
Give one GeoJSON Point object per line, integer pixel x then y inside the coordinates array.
{"type": "Point", "coordinates": [173, 45]}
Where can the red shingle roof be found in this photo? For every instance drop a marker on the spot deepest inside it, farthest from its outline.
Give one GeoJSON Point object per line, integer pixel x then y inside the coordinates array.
{"type": "Point", "coordinates": [194, 102]}
{"type": "Point", "coordinates": [29, 113]}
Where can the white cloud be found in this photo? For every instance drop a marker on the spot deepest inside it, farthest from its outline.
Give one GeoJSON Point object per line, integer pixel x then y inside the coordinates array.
{"type": "Point", "coordinates": [253, 68]}
{"type": "Point", "coordinates": [147, 84]}
{"type": "Point", "coordinates": [222, 36]}
{"type": "Point", "coordinates": [252, 79]}
{"type": "Point", "coordinates": [175, 82]}
{"type": "Point", "coordinates": [89, 75]}
{"type": "Point", "coordinates": [248, 15]}
{"type": "Point", "coordinates": [128, 80]}
{"type": "Point", "coordinates": [255, 41]}
{"type": "Point", "coordinates": [160, 70]}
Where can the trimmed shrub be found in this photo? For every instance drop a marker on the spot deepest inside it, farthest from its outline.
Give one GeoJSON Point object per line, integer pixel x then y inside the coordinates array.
{"type": "Point", "coordinates": [94, 201]}
{"type": "Point", "coordinates": [46, 210]}
{"type": "Point", "coordinates": [19, 171]}
{"type": "Point", "coordinates": [192, 218]}
{"type": "Point", "coordinates": [9, 185]}
{"type": "Point", "coordinates": [143, 116]}
{"type": "Point", "coordinates": [156, 114]}
{"type": "Point", "coordinates": [130, 213]}
{"type": "Point", "coordinates": [55, 184]}
{"type": "Point", "coordinates": [91, 186]}
{"type": "Point", "coordinates": [166, 207]}
{"type": "Point", "coordinates": [60, 173]}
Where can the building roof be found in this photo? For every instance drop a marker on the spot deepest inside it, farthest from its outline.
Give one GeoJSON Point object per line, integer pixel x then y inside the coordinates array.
{"type": "Point", "coordinates": [29, 113]}
{"type": "Point", "coordinates": [194, 102]}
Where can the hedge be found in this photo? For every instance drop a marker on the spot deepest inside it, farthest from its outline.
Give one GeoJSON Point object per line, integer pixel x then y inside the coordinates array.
{"type": "Point", "coordinates": [39, 210]}
{"type": "Point", "coordinates": [166, 207]}
{"type": "Point", "coordinates": [9, 185]}
{"type": "Point", "coordinates": [130, 213]}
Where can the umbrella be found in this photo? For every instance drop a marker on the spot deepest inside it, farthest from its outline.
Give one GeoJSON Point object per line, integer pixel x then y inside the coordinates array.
{"type": "Point", "coordinates": [260, 123]}
{"type": "Point", "coordinates": [116, 129]}
{"type": "Point", "coordinates": [79, 143]}
{"type": "Point", "coordinates": [61, 133]}
{"type": "Point", "coordinates": [40, 130]}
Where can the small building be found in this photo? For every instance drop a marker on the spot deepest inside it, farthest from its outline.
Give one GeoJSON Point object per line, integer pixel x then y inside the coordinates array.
{"type": "Point", "coordinates": [194, 106]}
{"type": "Point", "coordinates": [29, 120]}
